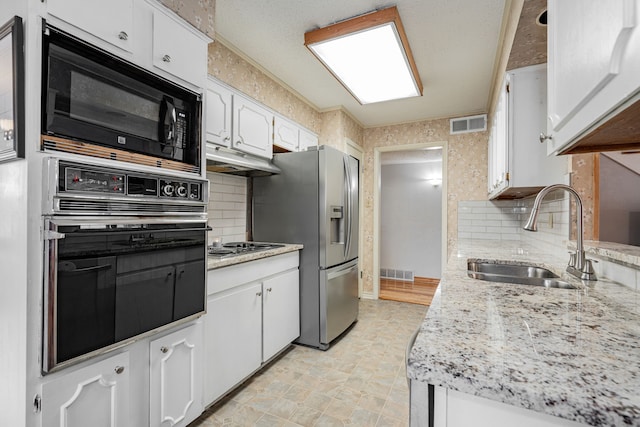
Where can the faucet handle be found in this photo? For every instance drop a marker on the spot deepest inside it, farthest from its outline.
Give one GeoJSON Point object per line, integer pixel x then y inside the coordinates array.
{"type": "Point", "coordinates": [587, 271]}
{"type": "Point", "coordinates": [572, 259]}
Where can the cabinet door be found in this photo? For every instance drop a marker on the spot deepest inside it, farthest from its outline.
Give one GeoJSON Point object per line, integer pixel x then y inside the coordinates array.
{"type": "Point", "coordinates": [218, 114]}
{"type": "Point", "coordinates": [306, 140]}
{"type": "Point", "coordinates": [233, 335]}
{"type": "Point", "coordinates": [252, 128]}
{"type": "Point", "coordinates": [498, 144]}
{"type": "Point", "coordinates": [111, 20]}
{"type": "Point", "coordinates": [175, 381]}
{"type": "Point", "coordinates": [281, 312]}
{"type": "Point", "coordinates": [593, 63]}
{"type": "Point", "coordinates": [98, 392]}
{"type": "Point", "coordinates": [285, 134]}
{"type": "Point", "coordinates": [177, 50]}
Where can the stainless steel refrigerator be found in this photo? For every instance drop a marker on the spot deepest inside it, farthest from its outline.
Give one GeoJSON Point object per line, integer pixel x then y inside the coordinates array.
{"type": "Point", "coordinates": [314, 201]}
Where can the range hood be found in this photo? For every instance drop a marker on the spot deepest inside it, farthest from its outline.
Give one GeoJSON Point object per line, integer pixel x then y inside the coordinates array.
{"type": "Point", "coordinates": [224, 160]}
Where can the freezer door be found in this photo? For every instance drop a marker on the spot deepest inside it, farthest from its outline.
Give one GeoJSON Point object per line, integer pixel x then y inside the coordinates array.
{"type": "Point", "coordinates": [338, 207]}
{"type": "Point", "coordinates": [338, 300]}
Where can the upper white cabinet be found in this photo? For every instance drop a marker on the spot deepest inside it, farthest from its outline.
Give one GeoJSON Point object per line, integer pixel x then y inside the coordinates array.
{"type": "Point", "coordinates": [252, 128]}
{"type": "Point", "coordinates": [140, 31]}
{"type": "Point", "coordinates": [518, 163]}
{"type": "Point", "coordinates": [219, 110]}
{"type": "Point", "coordinates": [594, 74]}
{"type": "Point", "coordinates": [176, 377]}
{"type": "Point", "coordinates": [285, 134]}
{"type": "Point", "coordinates": [291, 136]}
{"type": "Point", "coordinates": [236, 121]}
{"type": "Point", "coordinates": [98, 392]}
{"type": "Point", "coordinates": [307, 139]}
{"type": "Point", "coordinates": [177, 49]}
{"type": "Point", "coordinates": [111, 21]}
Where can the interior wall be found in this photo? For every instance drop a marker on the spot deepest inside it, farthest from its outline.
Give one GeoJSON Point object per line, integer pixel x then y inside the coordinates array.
{"type": "Point", "coordinates": [619, 203]}
{"type": "Point", "coordinates": [411, 218]}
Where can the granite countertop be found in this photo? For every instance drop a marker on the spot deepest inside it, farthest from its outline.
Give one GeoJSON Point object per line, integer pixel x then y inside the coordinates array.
{"type": "Point", "coordinates": [214, 262]}
{"type": "Point", "coordinates": [570, 353]}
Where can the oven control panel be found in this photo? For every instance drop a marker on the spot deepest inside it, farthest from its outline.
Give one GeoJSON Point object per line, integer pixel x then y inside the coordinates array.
{"type": "Point", "coordinates": [80, 179]}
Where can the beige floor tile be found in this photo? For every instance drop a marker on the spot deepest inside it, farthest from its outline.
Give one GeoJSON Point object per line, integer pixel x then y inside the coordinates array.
{"type": "Point", "coordinates": [359, 381]}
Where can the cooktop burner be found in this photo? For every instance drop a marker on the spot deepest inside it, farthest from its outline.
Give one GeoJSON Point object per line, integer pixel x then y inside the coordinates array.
{"type": "Point", "coordinates": [240, 248]}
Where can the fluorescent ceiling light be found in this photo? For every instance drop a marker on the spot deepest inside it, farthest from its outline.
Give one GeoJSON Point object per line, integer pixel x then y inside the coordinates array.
{"type": "Point", "coordinates": [369, 55]}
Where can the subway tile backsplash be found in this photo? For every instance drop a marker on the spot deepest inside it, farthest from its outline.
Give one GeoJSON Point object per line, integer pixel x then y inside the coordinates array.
{"type": "Point", "coordinates": [227, 210]}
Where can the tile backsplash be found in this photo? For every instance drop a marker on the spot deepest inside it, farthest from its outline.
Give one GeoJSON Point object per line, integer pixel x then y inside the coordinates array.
{"type": "Point", "coordinates": [504, 219]}
{"type": "Point", "coordinates": [227, 207]}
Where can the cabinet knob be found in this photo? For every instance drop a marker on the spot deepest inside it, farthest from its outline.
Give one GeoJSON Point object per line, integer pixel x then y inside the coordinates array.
{"type": "Point", "coordinates": [543, 137]}
{"type": "Point", "coordinates": [269, 289]}
{"type": "Point", "coordinates": [226, 138]}
{"type": "Point", "coordinates": [238, 142]}
{"type": "Point", "coordinates": [259, 294]}
{"type": "Point", "coordinates": [119, 369]}
{"type": "Point", "coordinates": [123, 36]}
{"type": "Point", "coordinates": [166, 58]}
{"type": "Point", "coordinates": [164, 349]}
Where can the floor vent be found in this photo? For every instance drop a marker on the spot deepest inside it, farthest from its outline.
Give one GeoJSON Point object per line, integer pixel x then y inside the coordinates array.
{"type": "Point", "coordinates": [391, 273]}
{"type": "Point", "coordinates": [468, 124]}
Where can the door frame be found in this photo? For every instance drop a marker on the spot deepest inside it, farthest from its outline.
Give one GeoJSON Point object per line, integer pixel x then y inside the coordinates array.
{"type": "Point", "coordinates": [377, 182]}
{"type": "Point", "coordinates": [357, 151]}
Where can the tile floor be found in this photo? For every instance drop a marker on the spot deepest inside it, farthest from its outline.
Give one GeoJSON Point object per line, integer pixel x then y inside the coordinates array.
{"type": "Point", "coordinates": [359, 381]}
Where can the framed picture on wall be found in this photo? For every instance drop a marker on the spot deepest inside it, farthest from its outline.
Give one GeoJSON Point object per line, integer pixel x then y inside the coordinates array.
{"type": "Point", "coordinates": [11, 90]}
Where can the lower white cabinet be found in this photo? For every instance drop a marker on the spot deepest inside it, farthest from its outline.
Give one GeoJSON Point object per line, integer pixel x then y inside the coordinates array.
{"type": "Point", "coordinates": [97, 394]}
{"type": "Point", "coordinates": [253, 313]}
{"type": "Point", "coordinates": [234, 338]}
{"type": "Point", "coordinates": [280, 312]}
{"type": "Point", "coordinates": [175, 381]}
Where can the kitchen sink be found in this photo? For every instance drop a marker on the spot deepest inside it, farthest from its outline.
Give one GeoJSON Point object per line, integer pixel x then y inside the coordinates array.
{"type": "Point", "coordinates": [517, 273]}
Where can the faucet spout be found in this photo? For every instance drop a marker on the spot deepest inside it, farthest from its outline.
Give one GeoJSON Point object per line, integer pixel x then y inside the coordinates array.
{"type": "Point", "coordinates": [581, 267]}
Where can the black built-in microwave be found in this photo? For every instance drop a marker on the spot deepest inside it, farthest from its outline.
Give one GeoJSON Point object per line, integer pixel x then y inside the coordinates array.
{"type": "Point", "coordinates": [90, 96]}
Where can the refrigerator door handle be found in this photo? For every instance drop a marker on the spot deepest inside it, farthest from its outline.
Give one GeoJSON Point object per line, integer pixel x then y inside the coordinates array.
{"type": "Point", "coordinates": [347, 192]}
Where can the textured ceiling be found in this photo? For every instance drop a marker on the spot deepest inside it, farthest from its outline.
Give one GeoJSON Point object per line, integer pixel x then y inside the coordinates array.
{"type": "Point", "coordinates": [454, 43]}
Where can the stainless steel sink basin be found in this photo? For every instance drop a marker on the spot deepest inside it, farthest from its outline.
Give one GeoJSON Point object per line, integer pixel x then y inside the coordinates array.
{"type": "Point", "coordinates": [518, 273]}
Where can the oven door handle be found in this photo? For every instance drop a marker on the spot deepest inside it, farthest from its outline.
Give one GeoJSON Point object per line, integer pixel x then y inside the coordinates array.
{"type": "Point", "coordinates": [87, 269]}
{"type": "Point", "coordinates": [134, 231]}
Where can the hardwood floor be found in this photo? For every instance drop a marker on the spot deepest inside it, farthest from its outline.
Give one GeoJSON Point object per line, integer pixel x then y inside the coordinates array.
{"type": "Point", "coordinates": [420, 291]}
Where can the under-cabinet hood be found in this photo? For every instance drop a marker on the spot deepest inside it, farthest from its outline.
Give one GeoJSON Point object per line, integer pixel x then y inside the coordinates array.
{"type": "Point", "coordinates": [224, 160]}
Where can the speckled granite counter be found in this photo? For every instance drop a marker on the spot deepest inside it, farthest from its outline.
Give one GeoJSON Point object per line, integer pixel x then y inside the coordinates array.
{"type": "Point", "coordinates": [214, 262]}
{"type": "Point", "coordinates": [573, 354]}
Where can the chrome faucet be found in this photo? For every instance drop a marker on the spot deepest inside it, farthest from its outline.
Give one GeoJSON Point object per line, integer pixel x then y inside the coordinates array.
{"type": "Point", "coordinates": [579, 266]}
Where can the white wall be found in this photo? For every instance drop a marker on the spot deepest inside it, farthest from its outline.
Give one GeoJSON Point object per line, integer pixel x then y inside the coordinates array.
{"type": "Point", "coordinates": [411, 218]}
{"type": "Point", "coordinates": [227, 207]}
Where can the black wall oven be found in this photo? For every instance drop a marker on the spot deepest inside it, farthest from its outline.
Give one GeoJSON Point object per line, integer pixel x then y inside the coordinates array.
{"type": "Point", "coordinates": [112, 276]}
{"type": "Point", "coordinates": [90, 96]}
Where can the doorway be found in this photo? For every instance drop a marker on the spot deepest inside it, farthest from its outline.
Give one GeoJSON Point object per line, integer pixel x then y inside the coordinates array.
{"type": "Point", "coordinates": [410, 216]}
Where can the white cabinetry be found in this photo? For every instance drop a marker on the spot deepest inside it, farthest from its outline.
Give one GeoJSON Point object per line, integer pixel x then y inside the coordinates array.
{"type": "Point", "coordinates": [291, 136]}
{"type": "Point", "coordinates": [176, 377]}
{"type": "Point", "coordinates": [235, 121]}
{"type": "Point", "coordinates": [253, 313]}
{"type": "Point", "coordinates": [307, 139]}
{"type": "Point", "coordinates": [252, 128]}
{"type": "Point", "coordinates": [452, 408]}
{"type": "Point", "coordinates": [111, 21]}
{"type": "Point", "coordinates": [98, 392]}
{"type": "Point", "coordinates": [218, 114]}
{"type": "Point", "coordinates": [518, 163]}
{"type": "Point", "coordinates": [594, 70]}
{"type": "Point", "coordinates": [280, 312]}
{"type": "Point", "coordinates": [176, 49]}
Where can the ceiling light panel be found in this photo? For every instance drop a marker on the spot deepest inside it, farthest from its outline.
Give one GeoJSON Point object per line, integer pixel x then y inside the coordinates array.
{"type": "Point", "coordinates": [369, 55]}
